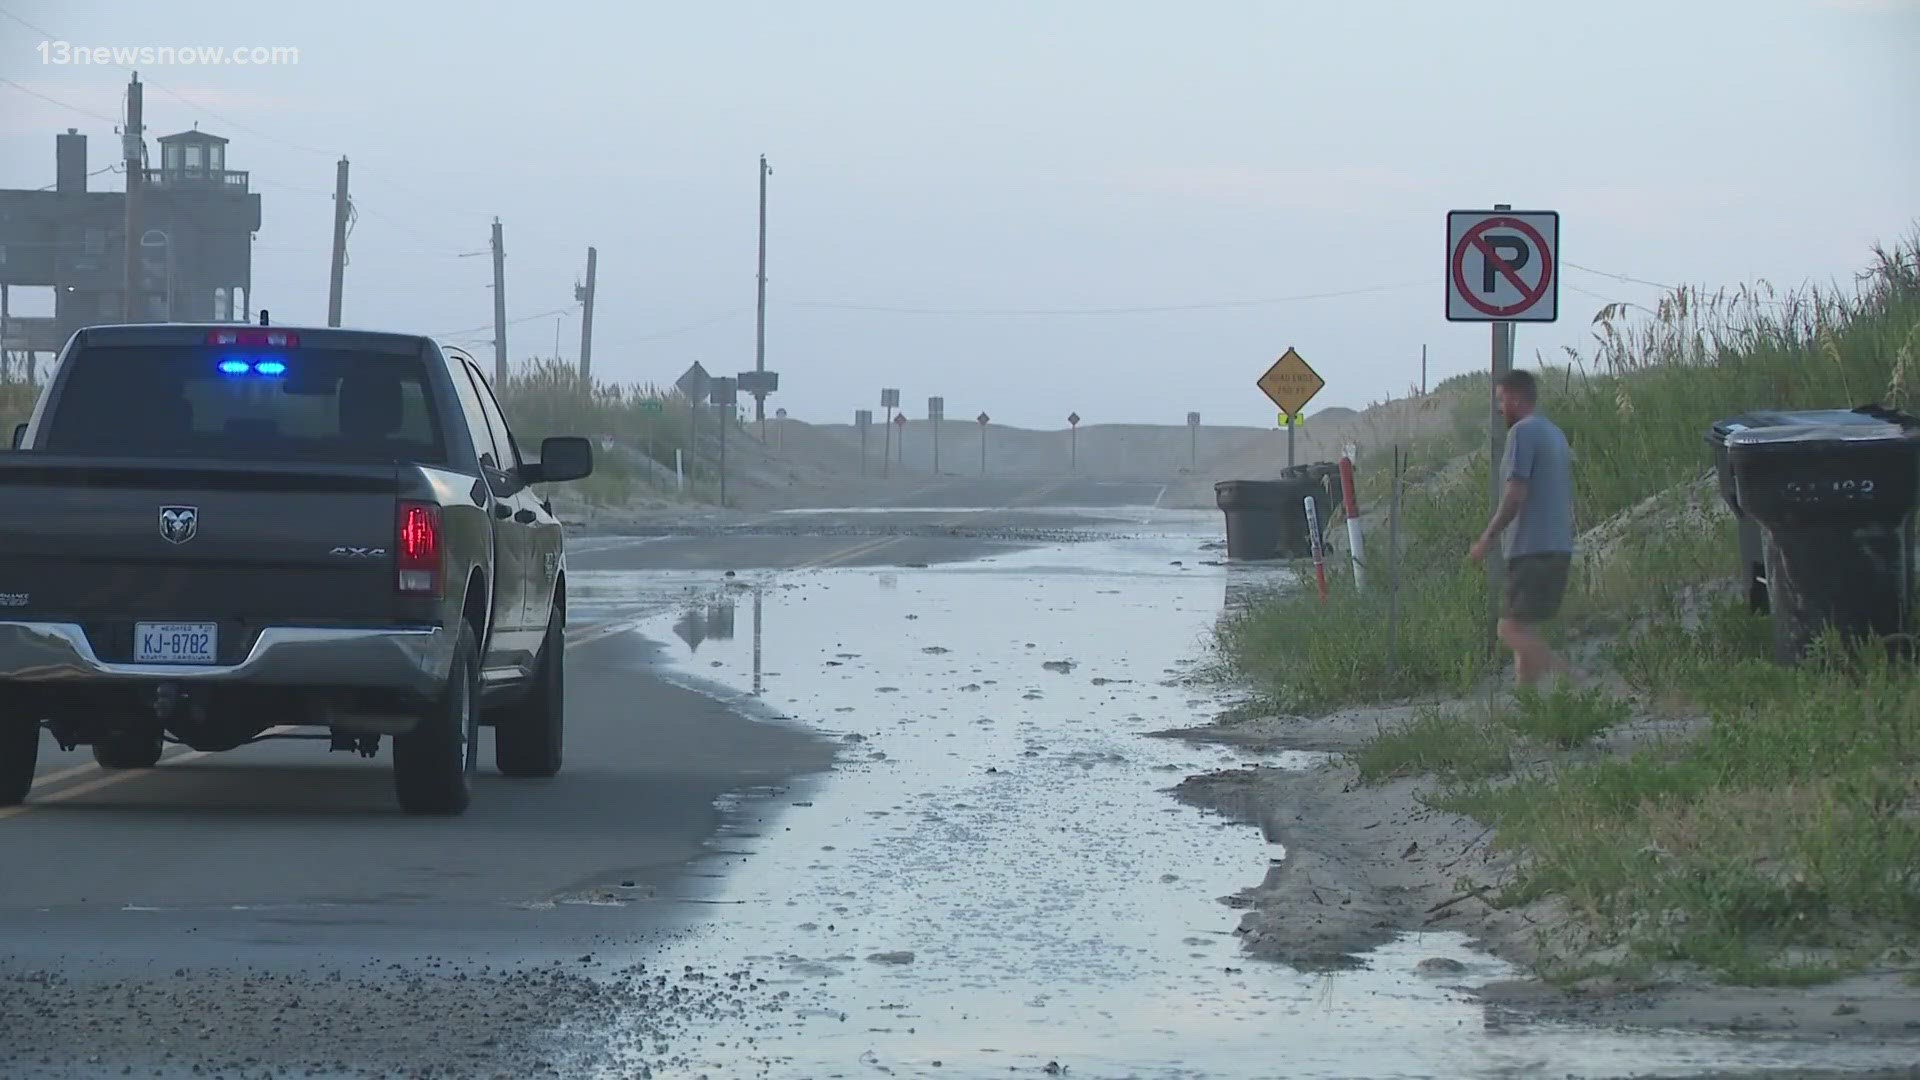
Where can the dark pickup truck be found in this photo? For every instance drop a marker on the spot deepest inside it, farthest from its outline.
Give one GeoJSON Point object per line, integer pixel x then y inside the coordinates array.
{"type": "Point", "coordinates": [222, 533]}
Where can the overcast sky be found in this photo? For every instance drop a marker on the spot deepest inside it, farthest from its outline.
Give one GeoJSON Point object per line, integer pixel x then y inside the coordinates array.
{"type": "Point", "coordinates": [1033, 173]}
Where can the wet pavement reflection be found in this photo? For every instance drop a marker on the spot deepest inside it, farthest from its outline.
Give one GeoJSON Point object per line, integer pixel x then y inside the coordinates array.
{"type": "Point", "coordinates": [994, 879]}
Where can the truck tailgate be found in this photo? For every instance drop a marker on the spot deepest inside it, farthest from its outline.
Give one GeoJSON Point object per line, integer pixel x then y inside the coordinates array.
{"type": "Point", "coordinates": [112, 542]}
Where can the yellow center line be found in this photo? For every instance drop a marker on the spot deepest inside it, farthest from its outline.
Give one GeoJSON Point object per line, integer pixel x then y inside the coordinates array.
{"type": "Point", "coordinates": [42, 782]}
{"type": "Point", "coordinates": [96, 784]}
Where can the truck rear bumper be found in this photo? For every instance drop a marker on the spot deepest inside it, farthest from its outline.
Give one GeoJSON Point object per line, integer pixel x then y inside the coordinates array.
{"type": "Point", "coordinates": [410, 660]}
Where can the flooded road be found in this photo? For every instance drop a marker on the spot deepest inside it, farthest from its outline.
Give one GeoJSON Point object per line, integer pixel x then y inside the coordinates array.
{"type": "Point", "coordinates": [993, 879]}
{"type": "Point", "coordinates": [847, 794]}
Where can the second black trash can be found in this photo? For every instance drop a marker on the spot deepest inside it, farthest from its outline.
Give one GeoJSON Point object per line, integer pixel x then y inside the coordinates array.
{"type": "Point", "coordinates": [1753, 572]}
{"type": "Point", "coordinates": [1836, 502]}
{"type": "Point", "coordinates": [1267, 519]}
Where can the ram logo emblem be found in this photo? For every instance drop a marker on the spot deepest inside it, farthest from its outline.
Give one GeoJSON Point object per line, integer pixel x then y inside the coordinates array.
{"type": "Point", "coordinates": [178, 524]}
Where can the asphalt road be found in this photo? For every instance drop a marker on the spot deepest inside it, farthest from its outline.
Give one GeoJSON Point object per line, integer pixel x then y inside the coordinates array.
{"type": "Point", "coordinates": [281, 855]}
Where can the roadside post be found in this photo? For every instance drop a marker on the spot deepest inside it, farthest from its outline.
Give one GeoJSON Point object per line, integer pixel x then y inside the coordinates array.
{"type": "Point", "coordinates": [862, 420]}
{"type": "Point", "coordinates": [695, 383]}
{"type": "Point", "coordinates": [936, 414]}
{"type": "Point", "coordinates": [1393, 565]}
{"type": "Point", "coordinates": [651, 408]}
{"type": "Point", "coordinates": [900, 421]}
{"type": "Point", "coordinates": [1502, 268]}
{"type": "Point", "coordinates": [758, 383]}
{"type": "Point", "coordinates": [1350, 506]}
{"type": "Point", "coordinates": [1319, 550]}
{"type": "Point", "coordinates": [1290, 383]}
{"type": "Point", "coordinates": [1193, 440]}
{"type": "Point", "coordinates": [780, 428]}
{"type": "Point", "coordinates": [1073, 442]}
{"type": "Point", "coordinates": [982, 420]}
{"type": "Point", "coordinates": [722, 394]}
{"type": "Point", "coordinates": [889, 400]}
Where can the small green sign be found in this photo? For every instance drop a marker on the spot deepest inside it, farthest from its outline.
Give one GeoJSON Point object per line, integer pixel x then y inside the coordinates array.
{"type": "Point", "coordinates": [652, 405]}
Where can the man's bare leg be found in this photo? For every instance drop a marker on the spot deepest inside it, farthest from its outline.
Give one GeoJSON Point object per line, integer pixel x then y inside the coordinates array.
{"type": "Point", "coordinates": [1532, 658]}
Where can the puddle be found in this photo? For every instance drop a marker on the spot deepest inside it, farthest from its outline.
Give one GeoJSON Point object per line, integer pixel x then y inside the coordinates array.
{"type": "Point", "coordinates": [993, 878]}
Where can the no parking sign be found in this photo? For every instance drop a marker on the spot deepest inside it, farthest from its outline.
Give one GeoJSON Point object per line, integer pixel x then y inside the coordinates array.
{"type": "Point", "coordinates": [1503, 266]}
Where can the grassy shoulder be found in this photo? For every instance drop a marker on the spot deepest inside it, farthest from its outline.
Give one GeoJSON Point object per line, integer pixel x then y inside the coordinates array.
{"type": "Point", "coordinates": [1777, 843]}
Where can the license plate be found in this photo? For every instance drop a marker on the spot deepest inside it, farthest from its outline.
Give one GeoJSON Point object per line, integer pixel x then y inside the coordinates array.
{"type": "Point", "coordinates": [176, 643]}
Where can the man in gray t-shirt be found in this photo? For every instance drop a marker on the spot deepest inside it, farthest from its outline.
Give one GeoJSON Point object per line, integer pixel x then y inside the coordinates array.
{"type": "Point", "coordinates": [1534, 525]}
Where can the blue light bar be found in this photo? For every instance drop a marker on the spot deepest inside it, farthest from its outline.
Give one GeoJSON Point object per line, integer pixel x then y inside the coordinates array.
{"type": "Point", "coordinates": [239, 366]}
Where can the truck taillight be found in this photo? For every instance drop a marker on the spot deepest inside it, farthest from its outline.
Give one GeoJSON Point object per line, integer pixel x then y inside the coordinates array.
{"type": "Point", "coordinates": [417, 549]}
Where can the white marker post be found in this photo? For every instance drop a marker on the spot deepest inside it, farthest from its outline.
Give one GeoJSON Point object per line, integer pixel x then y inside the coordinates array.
{"type": "Point", "coordinates": [1350, 503]}
{"type": "Point", "coordinates": [1319, 553]}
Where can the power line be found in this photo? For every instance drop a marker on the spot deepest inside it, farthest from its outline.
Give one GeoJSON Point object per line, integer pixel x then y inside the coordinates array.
{"type": "Point", "coordinates": [510, 322]}
{"type": "Point", "coordinates": [1619, 277]}
{"type": "Point", "coordinates": [1139, 310]}
{"type": "Point", "coordinates": [687, 327]}
{"type": "Point", "coordinates": [115, 167]}
{"type": "Point", "coordinates": [56, 101]}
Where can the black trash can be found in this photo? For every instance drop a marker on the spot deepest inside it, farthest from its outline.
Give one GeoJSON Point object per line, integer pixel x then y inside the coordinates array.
{"type": "Point", "coordinates": [1753, 570]}
{"type": "Point", "coordinates": [1267, 519]}
{"type": "Point", "coordinates": [1836, 504]}
{"type": "Point", "coordinates": [1298, 542]}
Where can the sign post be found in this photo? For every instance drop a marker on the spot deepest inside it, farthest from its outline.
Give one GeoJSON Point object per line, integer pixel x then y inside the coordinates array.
{"type": "Point", "coordinates": [900, 421]}
{"type": "Point", "coordinates": [695, 384]}
{"type": "Point", "coordinates": [779, 434]}
{"type": "Point", "coordinates": [982, 420]}
{"type": "Point", "coordinates": [651, 408]}
{"type": "Point", "coordinates": [936, 413]}
{"type": "Point", "coordinates": [1502, 268]}
{"type": "Point", "coordinates": [1290, 383]}
{"type": "Point", "coordinates": [1073, 459]}
{"type": "Point", "coordinates": [862, 420]}
{"type": "Point", "coordinates": [1193, 440]}
{"type": "Point", "coordinates": [889, 400]}
{"type": "Point", "coordinates": [722, 394]}
{"type": "Point", "coordinates": [758, 383]}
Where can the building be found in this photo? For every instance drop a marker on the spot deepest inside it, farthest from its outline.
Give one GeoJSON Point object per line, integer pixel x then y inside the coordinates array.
{"type": "Point", "coordinates": [195, 262]}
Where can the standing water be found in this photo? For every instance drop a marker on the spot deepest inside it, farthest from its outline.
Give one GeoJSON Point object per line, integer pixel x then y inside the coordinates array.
{"type": "Point", "coordinates": [994, 879]}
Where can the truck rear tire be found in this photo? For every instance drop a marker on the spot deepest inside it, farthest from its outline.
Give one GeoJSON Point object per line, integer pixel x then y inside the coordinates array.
{"type": "Point", "coordinates": [433, 765]}
{"type": "Point", "coordinates": [19, 752]}
{"type": "Point", "coordinates": [528, 737]}
{"type": "Point", "coordinates": [129, 749]}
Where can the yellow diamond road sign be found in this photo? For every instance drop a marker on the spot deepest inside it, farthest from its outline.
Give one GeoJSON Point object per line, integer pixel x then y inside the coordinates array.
{"type": "Point", "coordinates": [1290, 383]}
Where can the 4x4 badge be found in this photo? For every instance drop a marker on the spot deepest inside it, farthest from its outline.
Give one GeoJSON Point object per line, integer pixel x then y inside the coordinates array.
{"type": "Point", "coordinates": [179, 523]}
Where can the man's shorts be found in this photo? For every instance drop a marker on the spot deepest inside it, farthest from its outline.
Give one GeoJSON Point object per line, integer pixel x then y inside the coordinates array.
{"type": "Point", "coordinates": [1535, 585]}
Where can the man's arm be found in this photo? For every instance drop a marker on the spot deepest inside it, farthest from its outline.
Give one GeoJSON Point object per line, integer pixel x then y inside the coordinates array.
{"type": "Point", "coordinates": [1511, 503]}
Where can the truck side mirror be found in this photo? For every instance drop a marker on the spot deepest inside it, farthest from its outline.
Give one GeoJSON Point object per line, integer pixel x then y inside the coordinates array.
{"type": "Point", "coordinates": [562, 458]}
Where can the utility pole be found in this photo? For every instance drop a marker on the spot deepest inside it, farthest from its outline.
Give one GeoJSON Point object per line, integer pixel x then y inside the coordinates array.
{"type": "Point", "coordinates": [585, 296]}
{"type": "Point", "coordinates": [760, 319]}
{"type": "Point", "coordinates": [499, 309]}
{"type": "Point", "coordinates": [133, 150]}
{"type": "Point", "coordinates": [339, 244]}
{"type": "Point", "coordinates": [1423, 371]}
